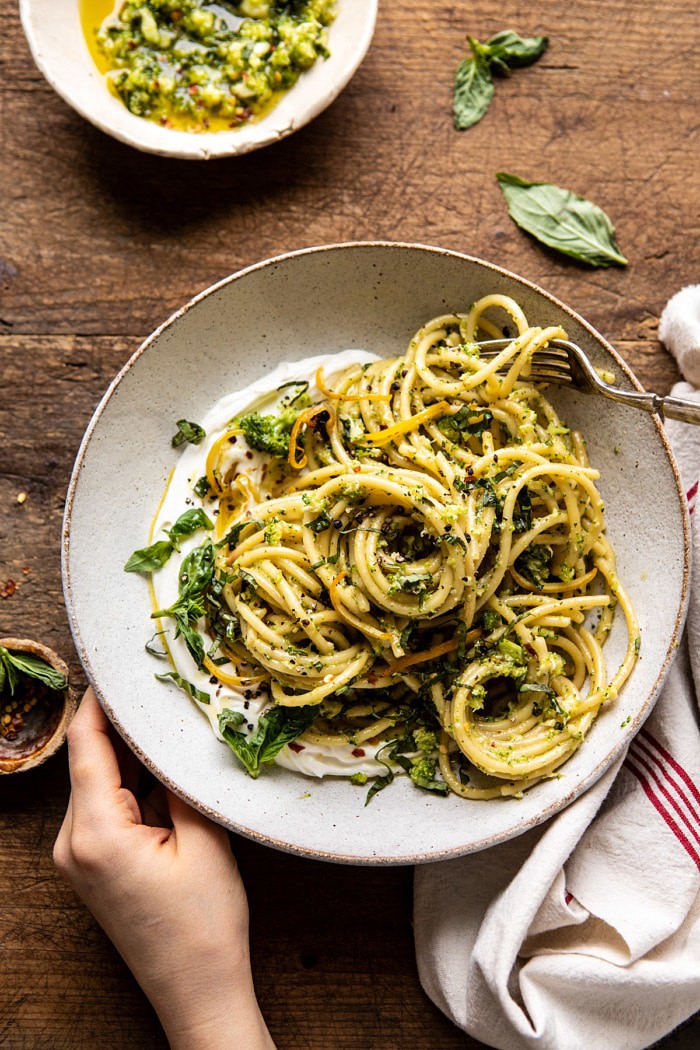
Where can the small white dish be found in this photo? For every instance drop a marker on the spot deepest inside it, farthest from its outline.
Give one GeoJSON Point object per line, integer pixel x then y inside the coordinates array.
{"type": "Point", "coordinates": [371, 296]}
{"type": "Point", "coordinates": [57, 42]}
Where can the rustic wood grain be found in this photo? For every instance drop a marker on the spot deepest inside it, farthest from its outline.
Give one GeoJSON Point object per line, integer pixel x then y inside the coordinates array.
{"type": "Point", "coordinates": [98, 244]}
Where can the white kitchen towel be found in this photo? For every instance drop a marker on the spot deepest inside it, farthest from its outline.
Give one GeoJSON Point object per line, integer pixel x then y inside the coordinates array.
{"type": "Point", "coordinates": [585, 932]}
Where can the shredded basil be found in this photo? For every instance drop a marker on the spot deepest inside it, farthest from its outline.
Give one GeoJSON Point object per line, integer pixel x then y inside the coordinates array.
{"type": "Point", "coordinates": [187, 687]}
{"type": "Point", "coordinates": [187, 431]}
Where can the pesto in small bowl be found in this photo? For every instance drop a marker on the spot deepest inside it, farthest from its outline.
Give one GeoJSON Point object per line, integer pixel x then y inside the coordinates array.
{"type": "Point", "coordinates": [197, 66]}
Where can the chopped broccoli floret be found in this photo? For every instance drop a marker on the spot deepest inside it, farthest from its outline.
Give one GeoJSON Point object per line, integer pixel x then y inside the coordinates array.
{"type": "Point", "coordinates": [534, 563]}
{"type": "Point", "coordinates": [422, 773]}
{"type": "Point", "coordinates": [426, 740]}
{"type": "Point", "coordinates": [271, 433]}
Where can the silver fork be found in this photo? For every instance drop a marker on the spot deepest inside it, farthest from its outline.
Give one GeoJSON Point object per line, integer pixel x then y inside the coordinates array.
{"type": "Point", "coordinates": [566, 364]}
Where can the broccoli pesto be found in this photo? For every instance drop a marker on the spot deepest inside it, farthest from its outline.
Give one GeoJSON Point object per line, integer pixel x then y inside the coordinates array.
{"type": "Point", "coordinates": [199, 66]}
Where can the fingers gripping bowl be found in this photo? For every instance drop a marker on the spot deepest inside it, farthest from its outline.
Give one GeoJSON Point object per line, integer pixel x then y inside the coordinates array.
{"type": "Point", "coordinates": [370, 298]}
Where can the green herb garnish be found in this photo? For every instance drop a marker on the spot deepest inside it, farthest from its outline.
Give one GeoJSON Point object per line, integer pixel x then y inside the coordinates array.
{"type": "Point", "coordinates": [187, 431]}
{"type": "Point", "coordinates": [275, 728]}
{"type": "Point", "coordinates": [149, 559]}
{"type": "Point", "coordinates": [196, 574]}
{"type": "Point", "coordinates": [14, 665]}
{"type": "Point", "coordinates": [562, 220]}
{"type": "Point", "coordinates": [202, 487]}
{"type": "Point", "coordinates": [474, 87]}
{"type": "Point", "coordinates": [191, 690]}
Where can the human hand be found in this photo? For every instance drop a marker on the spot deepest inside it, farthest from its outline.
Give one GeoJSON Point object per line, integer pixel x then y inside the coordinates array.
{"type": "Point", "coordinates": [161, 880]}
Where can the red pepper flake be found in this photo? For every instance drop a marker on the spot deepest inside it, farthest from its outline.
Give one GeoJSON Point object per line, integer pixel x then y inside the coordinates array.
{"type": "Point", "coordinates": [7, 589]}
{"type": "Point", "coordinates": [296, 747]}
{"type": "Point", "coordinates": [193, 89]}
{"type": "Point", "coordinates": [26, 569]}
{"type": "Point", "coordinates": [358, 752]}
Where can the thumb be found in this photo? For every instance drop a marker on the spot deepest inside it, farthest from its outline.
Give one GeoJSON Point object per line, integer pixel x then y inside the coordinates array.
{"type": "Point", "coordinates": [191, 827]}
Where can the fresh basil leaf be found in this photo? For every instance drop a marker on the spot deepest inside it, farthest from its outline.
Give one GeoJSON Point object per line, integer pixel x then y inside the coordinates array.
{"type": "Point", "coordinates": [197, 570]}
{"type": "Point", "coordinates": [249, 580]}
{"type": "Point", "coordinates": [15, 664]}
{"type": "Point", "coordinates": [511, 50]}
{"type": "Point", "coordinates": [474, 87]}
{"type": "Point", "coordinates": [473, 91]}
{"type": "Point", "coordinates": [191, 690]}
{"type": "Point", "coordinates": [149, 559]}
{"type": "Point", "coordinates": [187, 431]}
{"type": "Point", "coordinates": [276, 728]}
{"type": "Point", "coordinates": [187, 524]}
{"type": "Point", "coordinates": [522, 519]}
{"type": "Point", "coordinates": [466, 420]}
{"type": "Point", "coordinates": [319, 524]}
{"type": "Point", "coordinates": [185, 616]}
{"type": "Point", "coordinates": [196, 575]}
{"type": "Point", "coordinates": [201, 487]}
{"type": "Point", "coordinates": [233, 536]}
{"type": "Point", "coordinates": [410, 582]}
{"type": "Point", "coordinates": [562, 220]}
{"type": "Point", "coordinates": [379, 784]}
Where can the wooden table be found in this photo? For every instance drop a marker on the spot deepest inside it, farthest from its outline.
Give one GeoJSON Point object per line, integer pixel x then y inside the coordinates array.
{"type": "Point", "coordinates": [98, 244]}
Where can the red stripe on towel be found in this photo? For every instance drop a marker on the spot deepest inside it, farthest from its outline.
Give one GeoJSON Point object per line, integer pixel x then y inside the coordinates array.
{"type": "Point", "coordinates": [693, 807]}
{"type": "Point", "coordinates": [639, 757]}
{"type": "Point", "coordinates": [662, 811]}
{"type": "Point", "coordinates": [687, 780]}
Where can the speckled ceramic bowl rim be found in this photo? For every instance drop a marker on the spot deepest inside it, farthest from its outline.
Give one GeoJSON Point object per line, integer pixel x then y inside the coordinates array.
{"type": "Point", "coordinates": [230, 146]}
{"type": "Point", "coordinates": [491, 840]}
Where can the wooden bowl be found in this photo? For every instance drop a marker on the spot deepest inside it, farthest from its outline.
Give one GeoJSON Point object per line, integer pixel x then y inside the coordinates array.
{"type": "Point", "coordinates": [43, 727]}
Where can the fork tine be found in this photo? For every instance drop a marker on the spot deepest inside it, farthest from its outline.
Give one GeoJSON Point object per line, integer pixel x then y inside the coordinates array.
{"type": "Point", "coordinates": [542, 376]}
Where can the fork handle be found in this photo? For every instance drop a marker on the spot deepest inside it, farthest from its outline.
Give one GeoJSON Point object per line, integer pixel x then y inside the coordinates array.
{"type": "Point", "coordinates": [667, 407]}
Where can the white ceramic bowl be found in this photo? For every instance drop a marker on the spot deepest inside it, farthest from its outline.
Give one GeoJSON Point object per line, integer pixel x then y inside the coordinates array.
{"type": "Point", "coordinates": [372, 296]}
{"type": "Point", "coordinates": [58, 45]}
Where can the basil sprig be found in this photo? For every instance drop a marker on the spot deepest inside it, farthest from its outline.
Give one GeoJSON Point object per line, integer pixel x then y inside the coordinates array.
{"type": "Point", "coordinates": [149, 559]}
{"type": "Point", "coordinates": [275, 728]}
{"type": "Point", "coordinates": [562, 220]}
{"type": "Point", "coordinates": [187, 431]}
{"type": "Point", "coordinates": [14, 665]}
{"type": "Point", "coordinates": [196, 574]}
{"type": "Point", "coordinates": [474, 87]}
